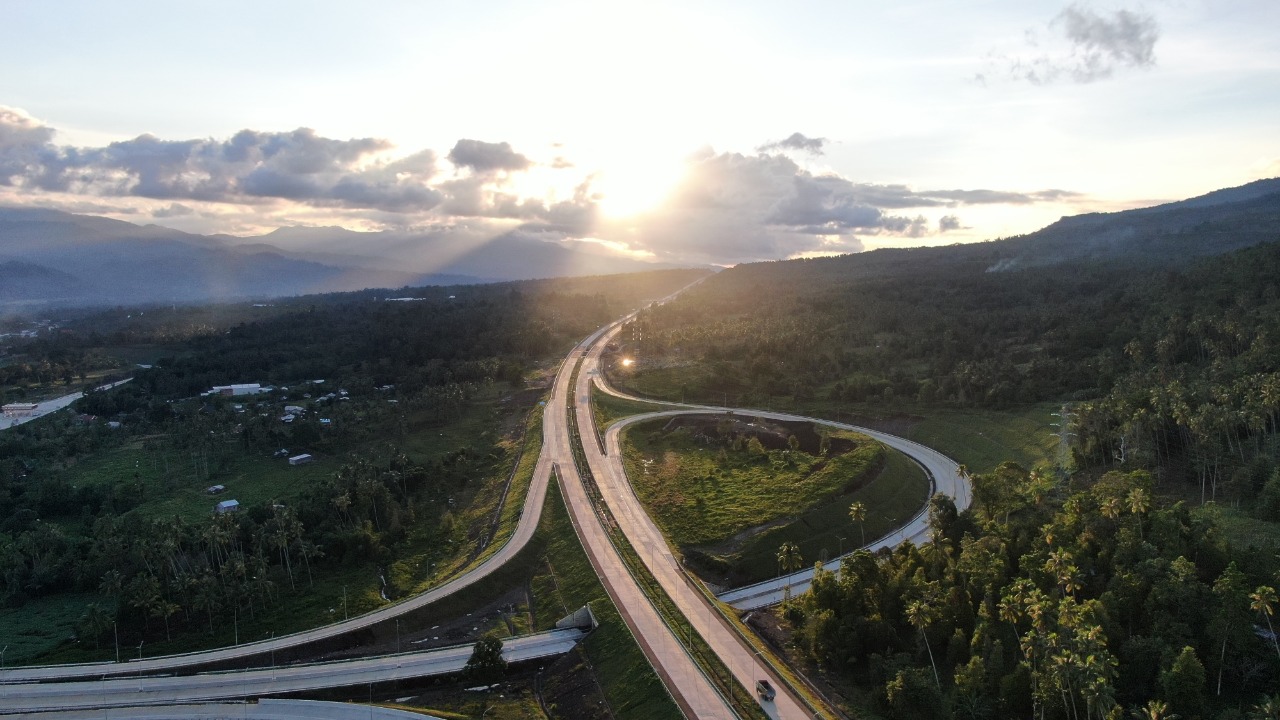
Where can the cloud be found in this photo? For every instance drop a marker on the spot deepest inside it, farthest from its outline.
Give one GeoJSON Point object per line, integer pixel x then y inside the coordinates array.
{"type": "Point", "coordinates": [796, 141]}
{"type": "Point", "coordinates": [172, 210]}
{"type": "Point", "coordinates": [485, 157]}
{"type": "Point", "coordinates": [727, 207]}
{"type": "Point", "coordinates": [23, 140]}
{"type": "Point", "coordinates": [1083, 46]}
{"type": "Point", "coordinates": [250, 167]}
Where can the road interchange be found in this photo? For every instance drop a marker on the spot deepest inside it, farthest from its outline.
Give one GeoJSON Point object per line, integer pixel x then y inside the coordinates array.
{"type": "Point", "coordinates": [687, 684]}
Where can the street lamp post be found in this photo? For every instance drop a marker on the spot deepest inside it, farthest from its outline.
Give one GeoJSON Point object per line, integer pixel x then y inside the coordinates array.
{"type": "Point", "coordinates": [115, 626]}
{"type": "Point", "coordinates": [140, 642]}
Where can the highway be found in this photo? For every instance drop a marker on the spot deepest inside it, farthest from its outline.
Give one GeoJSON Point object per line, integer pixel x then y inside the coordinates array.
{"type": "Point", "coordinates": [690, 689]}
{"type": "Point", "coordinates": [644, 534]}
{"type": "Point", "coordinates": [741, 659]}
{"type": "Point", "coordinates": [168, 690]}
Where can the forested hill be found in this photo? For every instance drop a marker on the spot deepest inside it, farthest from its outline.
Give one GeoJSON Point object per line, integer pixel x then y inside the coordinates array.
{"type": "Point", "coordinates": [1211, 224]}
{"type": "Point", "coordinates": [938, 327]}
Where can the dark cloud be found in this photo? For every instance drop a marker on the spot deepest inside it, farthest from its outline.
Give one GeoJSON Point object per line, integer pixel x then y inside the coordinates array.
{"type": "Point", "coordinates": [796, 141]}
{"type": "Point", "coordinates": [1084, 46]}
{"type": "Point", "coordinates": [484, 157]}
{"type": "Point", "coordinates": [23, 141]}
{"type": "Point", "coordinates": [947, 223]}
{"type": "Point", "coordinates": [173, 210]}
{"type": "Point", "coordinates": [1125, 39]}
{"type": "Point", "coordinates": [249, 167]}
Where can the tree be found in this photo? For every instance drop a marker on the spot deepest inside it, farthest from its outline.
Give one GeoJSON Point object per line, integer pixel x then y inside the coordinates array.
{"type": "Point", "coordinates": [911, 697]}
{"type": "Point", "coordinates": [1183, 685]}
{"type": "Point", "coordinates": [1263, 602]}
{"type": "Point", "coordinates": [1154, 710]}
{"type": "Point", "coordinates": [789, 560]}
{"type": "Point", "coordinates": [1268, 709]}
{"type": "Point", "coordinates": [486, 665]}
{"type": "Point", "coordinates": [1232, 612]}
{"type": "Point", "coordinates": [94, 623]}
{"type": "Point", "coordinates": [858, 513]}
{"type": "Point", "coordinates": [921, 614]}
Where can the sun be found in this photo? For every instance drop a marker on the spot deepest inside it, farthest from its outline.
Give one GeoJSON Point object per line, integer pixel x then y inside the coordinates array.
{"type": "Point", "coordinates": [635, 186]}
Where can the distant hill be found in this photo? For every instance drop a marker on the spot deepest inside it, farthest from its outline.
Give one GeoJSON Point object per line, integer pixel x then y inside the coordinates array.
{"type": "Point", "coordinates": [1211, 224]}
{"type": "Point", "coordinates": [52, 256]}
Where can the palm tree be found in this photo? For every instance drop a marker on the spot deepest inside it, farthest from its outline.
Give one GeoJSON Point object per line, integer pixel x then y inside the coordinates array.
{"type": "Point", "coordinates": [1264, 603]}
{"type": "Point", "coordinates": [921, 614]}
{"type": "Point", "coordinates": [1154, 710]}
{"type": "Point", "coordinates": [94, 623]}
{"type": "Point", "coordinates": [1110, 508]}
{"type": "Point", "coordinates": [789, 560]}
{"type": "Point", "coordinates": [858, 513]}
{"type": "Point", "coordinates": [1268, 709]}
{"type": "Point", "coordinates": [1139, 503]}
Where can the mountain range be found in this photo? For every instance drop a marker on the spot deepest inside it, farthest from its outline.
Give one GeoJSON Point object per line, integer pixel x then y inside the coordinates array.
{"type": "Point", "coordinates": [48, 256]}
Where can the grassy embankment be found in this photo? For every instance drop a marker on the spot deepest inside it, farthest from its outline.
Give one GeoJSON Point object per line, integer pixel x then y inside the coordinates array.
{"type": "Point", "coordinates": [979, 438]}
{"type": "Point", "coordinates": [730, 509]}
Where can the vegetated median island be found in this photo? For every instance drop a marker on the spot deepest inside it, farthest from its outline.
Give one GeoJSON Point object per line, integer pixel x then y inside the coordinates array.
{"type": "Point", "coordinates": [729, 490]}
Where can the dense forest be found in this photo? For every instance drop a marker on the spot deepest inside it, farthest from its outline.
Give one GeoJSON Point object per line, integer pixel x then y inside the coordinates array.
{"type": "Point", "coordinates": [1053, 600]}
{"type": "Point", "coordinates": [380, 373]}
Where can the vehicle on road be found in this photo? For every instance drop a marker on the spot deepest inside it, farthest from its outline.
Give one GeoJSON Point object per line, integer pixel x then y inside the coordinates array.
{"type": "Point", "coordinates": [765, 690]}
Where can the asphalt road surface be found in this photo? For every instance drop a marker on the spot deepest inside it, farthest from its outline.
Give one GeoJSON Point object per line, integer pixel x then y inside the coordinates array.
{"type": "Point", "coordinates": [168, 690]}
{"type": "Point", "coordinates": [736, 654]}
{"type": "Point", "coordinates": [47, 407]}
{"type": "Point", "coordinates": [643, 534]}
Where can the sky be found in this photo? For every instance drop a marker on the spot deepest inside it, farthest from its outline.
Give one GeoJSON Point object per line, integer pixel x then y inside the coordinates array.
{"type": "Point", "coordinates": [678, 132]}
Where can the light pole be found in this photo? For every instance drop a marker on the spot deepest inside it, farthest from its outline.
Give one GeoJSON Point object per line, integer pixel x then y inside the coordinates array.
{"type": "Point", "coordinates": [140, 642]}
{"type": "Point", "coordinates": [841, 539]}
{"type": "Point", "coordinates": [273, 655]}
{"type": "Point", "coordinates": [397, 635]}
{"type": "Point", "coordinates": [115, 627]}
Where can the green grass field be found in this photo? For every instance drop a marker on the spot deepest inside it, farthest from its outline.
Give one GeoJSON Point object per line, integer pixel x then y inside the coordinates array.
{"type": "Point", "coordinates": [982, 439]}
{"type": "Point", "coordinates": [729, 511]}
{"type": "Point", "coordinates": [608, 408]}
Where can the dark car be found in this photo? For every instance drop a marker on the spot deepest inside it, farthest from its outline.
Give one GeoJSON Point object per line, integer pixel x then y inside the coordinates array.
{"type": "Point", "coordinates": [765, 690]}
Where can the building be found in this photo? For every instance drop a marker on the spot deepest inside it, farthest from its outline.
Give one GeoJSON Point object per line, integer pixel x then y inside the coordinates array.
{"type": "Point", "coordinates": [226, 506]}
{"type": "Point", "coordinates": [15, 410]}
{"type": "Point", "coordinates": [215, 489]}
{"type": "Point", "coordinates": [302, 459]}
{"type": "Point", "coordinates": [242, 389]}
